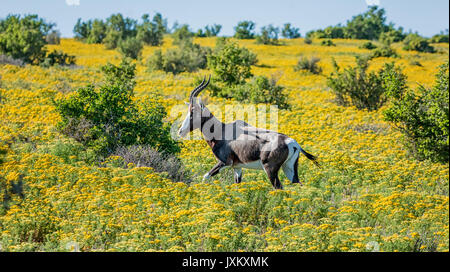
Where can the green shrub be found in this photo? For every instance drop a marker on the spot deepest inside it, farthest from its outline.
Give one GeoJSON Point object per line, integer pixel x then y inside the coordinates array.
{"type": "Point", "coordinates": [131, 48]}
{"type": "Point", "coordinates": [440, 38]}
{"type": "Point", "coordinates": [107, 117]}
{"type": "Point", "coordinates": [210, 31]}
{"type": "Point", "coordinates": [151, 32]}
{"type": "Point", "coordinates": [384, 51]}
{"type": "Point", "coordinates": [260, 90]}
{"type": "Point", "coordinates": [24, 38]}
{"type": "Point", "coordinates": [327, 42]}
{"type": "Point", "coordinates": [244, 30]}
{"type": "Point", "coordinates": [307, 41]}
{"type": "Point", "coordinates": [57, 57]}
{"type": "Point", "coordinates": [230, 63]}
{"type": "Point", "coordinates": [392, 36]}
{"type": "Point", "coordinates": [368, 45]}
{"type": "Point", "coordinates": [269, 35]}
{"type": "Point", "coordinates": [357, 86]}
{"type": "Point", "coordinates": [187, 57]}
{"type": "Point", "coordinates": [308, 65]}
{"type": "Point", "coordinates": [367, 26]}
{"type": "Point", "coordinates": [182, 35]}
{"type": "Point", "coordinates": [290, 32]}
{"type": "Point", "coordinates": [422, 116]}
{"type": "Point", "coordinates": [416, 43]}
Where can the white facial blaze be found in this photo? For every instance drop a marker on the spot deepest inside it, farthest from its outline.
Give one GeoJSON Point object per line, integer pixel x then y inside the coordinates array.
{"type": "Point", "coordinates": [185, 125]}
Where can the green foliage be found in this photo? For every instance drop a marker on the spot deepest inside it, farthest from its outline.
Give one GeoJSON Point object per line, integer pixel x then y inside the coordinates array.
{"type": "Point", "coordinates": [368, 45]}
{"type": "Point", "coordinates": [117, 28]}
{"type": "Point", "coordinates": [355, 85]}
{"type": "Point", "coordinates": [244, 30]}
{"type": "Point", "coordinates": [307, 40]}
{"type": "Point", "coordinates": [368, 25]}
{"type": "Point", "coordinates": [268, 36]}
{"type": "Point", "coordinates": [371, 25]}
{"type": "Point", "coordinates": [107, 117]}
{"type": "Point", "coordinates": [59, 58]}
{"type": "Point", "coordinates": [327, 42]}
{"type": "Point", "coordinates": [290, 32]}
{"type": "Point", "coordinates": [384, 51]}
{"type": "Point", "coordinates": [131, 48]}
{"type": "Point", "coordinates": [230, 63]}
{"type": "Point", "coordinates": [182, 35]}
{"type": "Point", "coordinates": [308, 65]}
{"type": "Point", "coordinates": [210, 31]}
{"type": "Point", "coordinates": [187, 57]}
{"type": "Point", "coordinates": [260, 90]}
{"type": "Point", "coordinates": [24, 38]}
{"type": "Point", "coordinates": [440, 38]}
{"type": "Point", "coordinates": [152, 32]}
{"type": "Point", "coordinates": [422, 116]}
{"type": "Point", "coordinates": [392, 36]}
{"type": "Point", "coordinates": [416, 43]}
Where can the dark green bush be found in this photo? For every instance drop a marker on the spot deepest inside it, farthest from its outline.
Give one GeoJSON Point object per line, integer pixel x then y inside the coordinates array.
{"type": "Point", "coordinates": [416, 43]}
{"type": "Point", "coordinates": [260, 90]}
{"type": "Point", "coordinates": [392, 36]}
{"type": "Point", "coordinates": [307, 41]}
{"type": "Point", "coordinates": [440, 38]}
{"type": "Point", "coordinates": [367, 26]}
{"type": "Point", "coordinates": [230, 63]}
{"type": "Point", "coordinates": [151, 32]}
{"type": "Point", "coordinates": [107, 117]}
{"type": "Point", "coordinates": [308, 65]}
{"type": "Point", "coordinates": [422, 116]}
{"type": "Point", "coordinates": [117, 28]}
{"type": "Point", "coordinates": [368, 45]}
{"type": "Point", "coordinates": [384, 51]}
{"type": "Point", "coordinates": [182, 35]}
{"type": "Point", "coordinates": [327, 42]}
{"type": "Point", "coordinates": [244, 30]}
{"type": "Point", "coordinates": [131, 48]}
{"type": "Point", "coordinates": [24, 38]}
{"type": "Point", "coordinates": [187, 57]}
{"type": "Point", "coordinates": [290, 32]}
{"type": "Point", "coordinates": [357, 86]}
{"type": "Point", "coordinates": [268, 35]}
{"type": "Point", "coordinates": [58, 58]}
{"type": "Point", "coordinates": [210, 31]}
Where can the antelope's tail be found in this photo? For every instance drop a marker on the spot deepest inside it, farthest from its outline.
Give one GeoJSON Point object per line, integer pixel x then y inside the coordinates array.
{"type": "Point", "coordinates": [310, 157]}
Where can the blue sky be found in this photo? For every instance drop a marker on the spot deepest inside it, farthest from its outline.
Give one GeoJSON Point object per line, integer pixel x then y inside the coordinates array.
{"type": "Point", "coordinates": [426, 17]}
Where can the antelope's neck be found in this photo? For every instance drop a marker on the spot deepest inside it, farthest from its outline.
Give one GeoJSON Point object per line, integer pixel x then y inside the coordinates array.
{"type": "Point", "coordinates": [211, 129]}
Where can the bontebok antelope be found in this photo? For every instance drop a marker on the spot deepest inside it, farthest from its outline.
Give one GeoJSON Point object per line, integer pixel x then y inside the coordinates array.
{"type": "Point", "coordinates": [239, 145]}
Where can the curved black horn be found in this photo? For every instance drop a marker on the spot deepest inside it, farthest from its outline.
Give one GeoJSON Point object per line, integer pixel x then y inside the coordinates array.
{"type": "Point", "coordinates": [200, 88]}
{"type": "Point", "coordinates": [191, 96]}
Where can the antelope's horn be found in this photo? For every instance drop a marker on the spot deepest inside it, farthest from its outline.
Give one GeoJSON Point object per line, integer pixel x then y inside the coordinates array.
{"type": "Point", "coordinates": [200, 88]}
{"type": "Point", "coordinates": [191, 96]}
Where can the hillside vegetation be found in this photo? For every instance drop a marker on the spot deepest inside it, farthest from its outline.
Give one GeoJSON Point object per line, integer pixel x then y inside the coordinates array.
{"type": "Point", "coordinates": [369, 194]}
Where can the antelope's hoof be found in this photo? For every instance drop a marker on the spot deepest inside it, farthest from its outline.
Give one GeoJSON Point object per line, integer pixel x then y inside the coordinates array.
{"type": "Point", "coordinates": [206, 176]}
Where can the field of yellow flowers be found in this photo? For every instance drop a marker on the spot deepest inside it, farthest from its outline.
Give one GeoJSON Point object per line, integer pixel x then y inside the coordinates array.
{"type": "Point", "coordinates": [369, 195]}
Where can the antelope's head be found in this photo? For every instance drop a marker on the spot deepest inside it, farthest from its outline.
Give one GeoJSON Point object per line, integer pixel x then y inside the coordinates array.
{"type": "Point", "coordinates": [196, 111]}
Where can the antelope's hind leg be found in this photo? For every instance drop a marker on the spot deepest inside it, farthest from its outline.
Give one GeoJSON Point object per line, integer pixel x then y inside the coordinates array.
{"type": "Point", "coordinates": [272, 173]}
{"type": "Point", "coordinates": [237, 175]}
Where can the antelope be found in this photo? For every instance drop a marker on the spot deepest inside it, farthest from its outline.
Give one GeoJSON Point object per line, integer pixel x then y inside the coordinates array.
{"type": "Point", "coordinates": [239, 145]}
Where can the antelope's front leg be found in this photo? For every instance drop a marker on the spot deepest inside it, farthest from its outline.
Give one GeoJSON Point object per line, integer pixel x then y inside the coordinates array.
{"type": "Point", "coordinates": [215, 170]}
